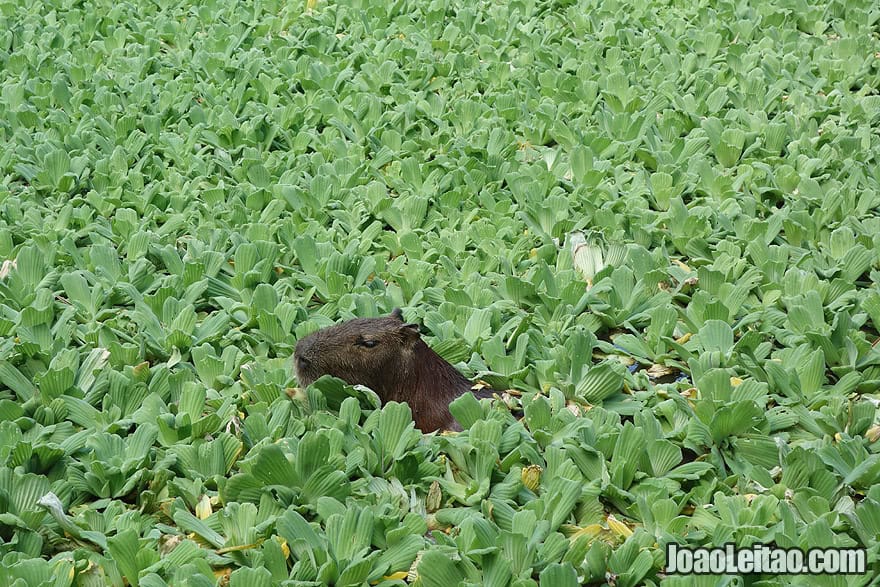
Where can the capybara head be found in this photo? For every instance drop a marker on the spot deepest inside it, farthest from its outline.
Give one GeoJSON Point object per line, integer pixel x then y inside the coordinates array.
{"type": "Point", "coordinates": [375, 352]}
{"type": "Point", "coordinates": [388, 356]}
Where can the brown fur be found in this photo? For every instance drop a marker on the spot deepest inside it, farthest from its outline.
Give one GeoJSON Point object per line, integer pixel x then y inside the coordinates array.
{"type": "Point", "coordinates": [389, 357]}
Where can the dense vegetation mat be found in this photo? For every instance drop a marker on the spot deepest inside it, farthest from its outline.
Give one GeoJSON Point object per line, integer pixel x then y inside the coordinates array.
{"type": "Point", "coordinates": [658, 221]}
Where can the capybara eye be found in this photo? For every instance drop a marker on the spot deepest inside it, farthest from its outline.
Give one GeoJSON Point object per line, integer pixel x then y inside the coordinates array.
{"type": "Point", "coordinates": [367, 343]}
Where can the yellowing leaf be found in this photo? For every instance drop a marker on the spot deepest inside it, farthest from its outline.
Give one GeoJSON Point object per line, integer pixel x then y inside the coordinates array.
{"type": "Point", "coordinates": [618, 527]}
{"type": "Point", "coordinates": [531, 477]}
{"type": "Point", "coordinates": [203, 508]}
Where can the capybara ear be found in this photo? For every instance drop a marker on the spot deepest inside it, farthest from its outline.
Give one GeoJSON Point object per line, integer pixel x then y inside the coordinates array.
{"type": "Point", "coordinates": [408, 329]}
{"type": "Point", "coordinates": [412, 330]}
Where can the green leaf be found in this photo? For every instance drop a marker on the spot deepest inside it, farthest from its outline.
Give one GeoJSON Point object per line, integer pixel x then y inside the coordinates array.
{"type": "Point", "coordinates": [13, 379]}
{"type": "Point", "coordinates": [272, 467]}
{"type": "Point", "coordinates": [734, 419]}
{"type": "Point", "coordinates": [349, 534]}
{"type": "Point", "coordinates": [190, 523]}
{"type": "Point", "coordinates": [55, 166]}
{"type": "Point", "coordinates": [563, 575]}
{"type": "Point", "coordinates": [716, 335]}
{"type": "Point", "coordinates": [663, 456]}
{"type": "Point", "coordinates": [124, 549]}
{"type": "Point", "coordinates": [601, 381]}
{"type": "Point", "coordinates": [304, 542]}
{"type": "Point", "coordinates": [466, 409]}
{"type": "Point", "coordinates": [477, 326]}
{"type": "Point", "coordinates": [437, 570]}
{"type": "Point", "coordinates": [624, 462]}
